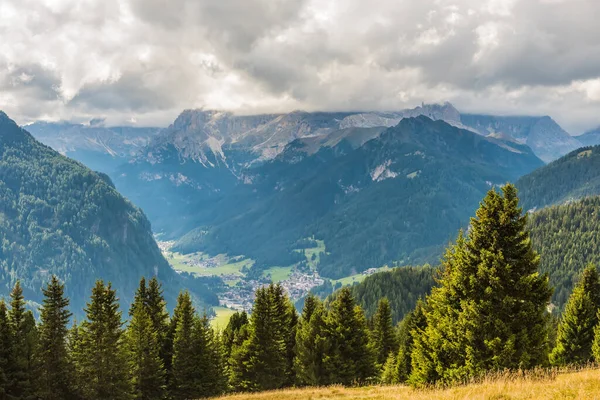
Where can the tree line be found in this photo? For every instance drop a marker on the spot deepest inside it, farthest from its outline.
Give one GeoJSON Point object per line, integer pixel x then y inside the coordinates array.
{"type": "Point", "coordinates": [488, 312]}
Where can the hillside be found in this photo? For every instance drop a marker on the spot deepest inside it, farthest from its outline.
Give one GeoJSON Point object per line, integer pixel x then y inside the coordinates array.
{"type": "Point", "coordinates": [399, 197]}
{"type": "Point", "coordinates": [569, 178]}
{"type": "Point", "coordinates": [58, 217]}
{"type": "Point", "coordinates": [567, 237]}
{"type": "Point", "coordinates": [580, 385]}
{"type": "Point", "coordinates": [402, 286]}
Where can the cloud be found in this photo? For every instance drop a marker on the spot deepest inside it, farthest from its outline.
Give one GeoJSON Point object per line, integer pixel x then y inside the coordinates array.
{"type": "Point", "coordinates": [146, 60]}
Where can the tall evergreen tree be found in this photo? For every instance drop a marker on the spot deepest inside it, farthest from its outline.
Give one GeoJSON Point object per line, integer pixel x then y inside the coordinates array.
{"type": "Point", "coordinates": [21, 354]}
{"type": "Point", "coordinates": [5, 350]}
{"type": "Point", "coordinates": [157, 311]}
{"type": "Point", "coordinates": [383, 334]}
{"type": "Point", "coordinates": [55, 378]}
{"type": "Point", "coordinates": [576, 328]}
{"type": "Point", "coordinates": [143, 350]}
{"type": "Point", "coordinates": [209, 371]}
{"type": "Point", "coordinates": [411, 325]}
{"type": "Point", "coordinates": [183, 380]}
{"type": "Point", "coordinates": [262, 361]}
{"type": "Point", "coordinates": [286, 320]}
{"type": "Point", "coordinates": [101, 358]}
{"type": "Point", "coordinates": [349, 358]}
{"type": "Point", "coordinates": [230, 336]}
{"type": "Point", "coordinates": [489, 311]}
{"type": "Point", "coordinates": [311, 343]}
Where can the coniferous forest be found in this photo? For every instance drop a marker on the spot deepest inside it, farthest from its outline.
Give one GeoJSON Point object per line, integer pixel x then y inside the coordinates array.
{"type": "Point", "coordinates": [487, 312]}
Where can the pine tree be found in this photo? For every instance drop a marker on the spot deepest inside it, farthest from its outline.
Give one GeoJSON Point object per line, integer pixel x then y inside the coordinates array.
{"type": "Point", "coordinates": [384, 336]}
{"type": "Point", "coordinates": [311, 343]}
{"type": "Point", "coordinates": [489, 311]}
{"type": "Point", "coordinates": [141, 297]}
{"type": "Point", "coordinates": [286, 320]}
{"type": "Point", "coordinates": [411, 325]}
{"type": "Point", "coordinates": [209, 370]}
{"type": "Point", "coordinates": [230, 336]}
{"type": "Point", "coordinates": [349, 358]}
{"type": "Point", "coordinates": [262, 361]}
{"type": "Point", "coordinates": [157, 310]}
{"type": "Point", "coordinates": [576, 328]}
{"type": "Point", "coordinates": [21, 354]}
{"type": "Point", "coordinates": [74, 351]}
{"type": "Point", "coordinates": [183, 381]}
{"type": "Point", "coordinates": [55, 378]}
{"type": "Point", "coordinates": [101, 359]}
{"type": "Point", "coordinates": [143, 350]}
{"type": "Point", "coordinates": [5, 350]}
{"type": "Point", "coordinates": [389, 371]}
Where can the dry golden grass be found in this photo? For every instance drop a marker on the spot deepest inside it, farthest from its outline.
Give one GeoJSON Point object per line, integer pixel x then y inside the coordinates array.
{"type": "Point", "coordinates": [584, 384]}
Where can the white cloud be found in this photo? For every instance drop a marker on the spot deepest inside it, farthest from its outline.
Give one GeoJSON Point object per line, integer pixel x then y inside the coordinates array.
{"type": "Point", "coordinates": [146, 60]}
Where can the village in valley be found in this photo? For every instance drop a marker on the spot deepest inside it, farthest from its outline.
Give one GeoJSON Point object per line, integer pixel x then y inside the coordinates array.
{"type": "Point", "coordinates": [240, 283]}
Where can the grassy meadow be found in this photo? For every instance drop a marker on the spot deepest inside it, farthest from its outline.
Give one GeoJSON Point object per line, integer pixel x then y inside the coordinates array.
{"type": "Point", "coordinates": [580, 385]}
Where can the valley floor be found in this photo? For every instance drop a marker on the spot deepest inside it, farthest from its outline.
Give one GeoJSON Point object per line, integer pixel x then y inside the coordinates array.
{"type": "Point", "coordinates": [575, 385]}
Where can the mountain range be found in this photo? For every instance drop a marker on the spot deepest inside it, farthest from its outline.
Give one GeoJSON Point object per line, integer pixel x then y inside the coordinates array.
{"type": "Point", "coordinates": [96, 146]}
{"type": "Point", "coordinates": [377, 187]}
{"type": "Point", "coordinates": [60, 218]}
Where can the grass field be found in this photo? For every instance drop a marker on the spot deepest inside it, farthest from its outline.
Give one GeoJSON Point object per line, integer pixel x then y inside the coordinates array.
{"type": "Point", "coordinates": [350, 280]}
{"type": "Point", "coordinates": [278, 274]}
{"type": "Point", "coordinates": [226, 265]}
{"type": "Point", "coordinates": [575, 385]}
{"type": "Point", "coordinates": [222, 319]}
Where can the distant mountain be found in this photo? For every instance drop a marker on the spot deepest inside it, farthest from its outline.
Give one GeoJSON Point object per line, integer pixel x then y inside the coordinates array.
{"type": "Point", "coordinates": [398, 197]}
{"type": "Point", "coordinates": [569, 178]}
{"type": "Point", "coordinates": [196, 161]}
{"type": "Point", "coordinates": [590, 138]}
{"type": "Point", "coordinates": [58, 217]}
{"type": "Point", "coordinates": [98, 147]}
{"type": "Point", "coordinates": [545, 137]}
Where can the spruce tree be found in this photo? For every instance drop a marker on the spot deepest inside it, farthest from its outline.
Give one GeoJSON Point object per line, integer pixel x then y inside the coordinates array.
{"type": "Point", "coordinates": [231, 332]}
{"type": "Point", "coordinates": [489, 311]}
{"type": "Point", "coordinates": [576, 328]}
{"type": "Point", "coordinates": [5, 350]}
{"type": "Point", "coordinates": [55, 378]}
{"type": "Point", "coordinates": [286, 320]}
{"type": "Point", "coordinates": [101, 358]}
{"type": "Point", "coordinates": [383, 335]}
{"type": "Point", "coordinates": [183, 380]}
{"type": "Point", "coordinates": [349, 358]}
{"type": "Point", "coordinates": [262, 361]}
{"type": "Point", "coordinates": [311, 343]}
{"type": "Point", "coordinates": [143, 350]}
{"type": "Point", "coordinates": [413, 323]}
{"type": "Point", "coordinates": [19, 373]}
{"type": "Point", "coordinates": [157, 310]}
{"type": "Point", "coordinates": [209, 372]}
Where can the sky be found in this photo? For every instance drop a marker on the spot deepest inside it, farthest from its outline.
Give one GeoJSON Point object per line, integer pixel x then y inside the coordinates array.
{"type": "Point", "coordinates": [141, 62]}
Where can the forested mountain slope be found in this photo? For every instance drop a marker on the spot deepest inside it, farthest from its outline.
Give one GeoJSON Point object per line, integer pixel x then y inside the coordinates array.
{"type": "Point", "coordinates": [398, 197]}
{"type": "Point", "coordinates": [571, 177]}
{"type": "Point", "coordinates": [59, 217]}
{"type": "Point", "coordinates": [567, 238]}
{"type": "Point", "coordinates": [402, 286]}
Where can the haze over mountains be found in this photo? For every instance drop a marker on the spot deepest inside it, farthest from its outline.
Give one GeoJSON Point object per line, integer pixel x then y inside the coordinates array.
{"type": "Point", "coordinates": [257, 185]}
{"type": "Point", "coordinates": [378, 188]}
